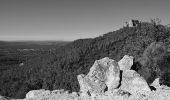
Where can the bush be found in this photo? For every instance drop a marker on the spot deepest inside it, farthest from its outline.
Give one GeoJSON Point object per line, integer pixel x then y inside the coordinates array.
{"type": "Point", "coordinates": [154, 61]}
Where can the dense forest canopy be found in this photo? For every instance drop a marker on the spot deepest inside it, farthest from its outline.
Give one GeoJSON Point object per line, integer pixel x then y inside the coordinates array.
{"type": "Point", "coordinates": [58, 68]}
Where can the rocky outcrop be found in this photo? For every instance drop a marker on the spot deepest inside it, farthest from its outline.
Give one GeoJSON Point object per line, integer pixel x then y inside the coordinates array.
{"type": "Point", "coordinates": [131, 23]}
{"type": "Point", "coordinates": [107, 80]}
{"type": "Point", "coordinates": [126, 63]}
{"type": "Point", "coordinates": [133, 83]}
{"type": "Point", "coordinates": [103, 74]}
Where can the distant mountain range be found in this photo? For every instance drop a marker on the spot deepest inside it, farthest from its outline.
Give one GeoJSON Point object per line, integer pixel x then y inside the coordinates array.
{"type": "Point", "coordinates": [31, 44]}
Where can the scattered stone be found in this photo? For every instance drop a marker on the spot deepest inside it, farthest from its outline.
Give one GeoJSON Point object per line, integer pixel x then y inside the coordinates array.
{"type": "Point", "coordinates": [126, 63]}
{"type": "Point", "coordinates": [37, 93]}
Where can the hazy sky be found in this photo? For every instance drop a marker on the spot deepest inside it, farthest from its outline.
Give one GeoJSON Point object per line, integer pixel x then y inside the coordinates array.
{"type": "Point", "coordinates": [73, 19]}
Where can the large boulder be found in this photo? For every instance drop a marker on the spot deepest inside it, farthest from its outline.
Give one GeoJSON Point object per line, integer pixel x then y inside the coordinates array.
{"type": "Point", "coordinates": [126, 63]}
{"type": "Point", "coordinates": [133, 83]}
{"type": "Point", "coordinates": [104, 73]}
{"type": "Point", "coordinates": [37, 93]}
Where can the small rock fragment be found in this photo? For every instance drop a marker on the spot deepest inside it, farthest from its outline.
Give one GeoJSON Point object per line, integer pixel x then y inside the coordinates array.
{"type": "Point", "coordinates": [37, 93]}
{"type": "Point", "coordinates": [156, 83]}
{"type": "Point", "coordinates": [83, 84]}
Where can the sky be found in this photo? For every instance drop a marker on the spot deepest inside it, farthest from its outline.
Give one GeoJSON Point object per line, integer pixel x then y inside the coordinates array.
{"type": "Point", "coordinates": [73, 19]}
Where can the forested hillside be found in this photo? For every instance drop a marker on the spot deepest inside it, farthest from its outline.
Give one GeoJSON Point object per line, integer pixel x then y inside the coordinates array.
{"type": "Point", "coordinates": [59, 68]}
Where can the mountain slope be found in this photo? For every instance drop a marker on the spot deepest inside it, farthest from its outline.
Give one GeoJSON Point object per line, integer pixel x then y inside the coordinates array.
{"type": "Point", "coordinates": [58, 69]}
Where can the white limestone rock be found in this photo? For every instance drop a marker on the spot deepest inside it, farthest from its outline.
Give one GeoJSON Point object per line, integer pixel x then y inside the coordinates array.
{"type": "Point", "coordinates": [37, 93]}
{"type": "Point", "coordinates": [133, 83]}
{"type": "Point", "coordinates": [84, 88]}
{"type": "Point", "coordinates": [104, 72]}
{"type": "Point", "coordinates": [155, 83]}
{"type": "Point", "coordinates": [3, 98]}
{"type": "Point", "coordinates": [126, 63]}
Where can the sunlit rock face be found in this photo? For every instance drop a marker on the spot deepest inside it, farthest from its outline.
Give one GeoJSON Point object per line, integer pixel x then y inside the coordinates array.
{"type": "Point", "coordinates": [103, 74]}
{"type": "Point", "coordinates": [156, 83]}
{"type": "Point", "coordinates": [83, 85]}
{"type": "Point", "coordinates": [134, 83]}
{"type": "Point", "coordinates": [37, 93]}
{"type": "Point", "coordinates": [126, 63]}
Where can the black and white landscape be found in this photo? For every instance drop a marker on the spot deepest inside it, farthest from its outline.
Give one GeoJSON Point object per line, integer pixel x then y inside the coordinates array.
{"type": "Point", "coordinates": [54, 45]}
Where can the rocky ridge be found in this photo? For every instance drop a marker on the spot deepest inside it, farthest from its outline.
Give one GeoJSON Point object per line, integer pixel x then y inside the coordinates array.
{"type": "Point", "coordinates": [107, 80]}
